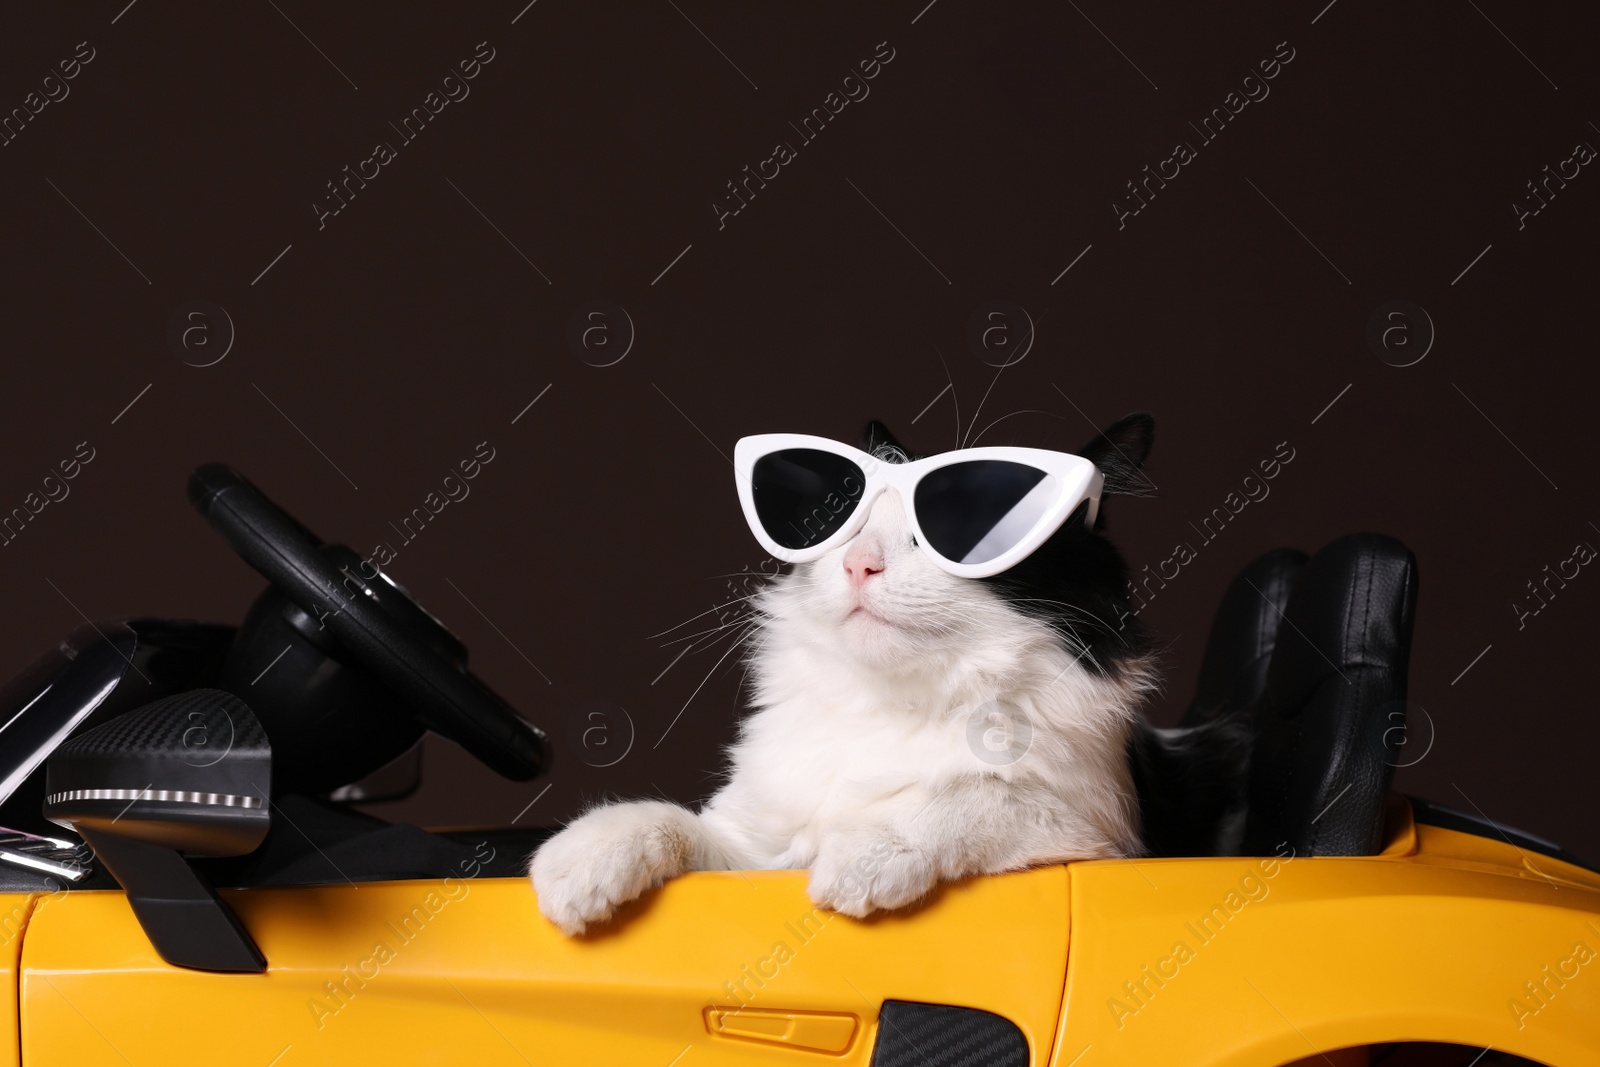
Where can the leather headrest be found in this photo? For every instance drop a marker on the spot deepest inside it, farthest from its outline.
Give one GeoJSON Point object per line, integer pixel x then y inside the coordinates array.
{"type": "Point", "coordinates": [1350, 610]}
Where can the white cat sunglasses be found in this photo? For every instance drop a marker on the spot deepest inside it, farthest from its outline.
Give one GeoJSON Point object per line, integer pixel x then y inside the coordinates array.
{"type": "Point", "coordinates": [975, 511]}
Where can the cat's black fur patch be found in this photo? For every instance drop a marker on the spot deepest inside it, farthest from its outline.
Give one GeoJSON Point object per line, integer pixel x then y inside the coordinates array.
{"type": "Point", "coordinates": [1120, 451]}
{"type": "Point", "coordinates": [876, 438]}
{"type": "Point", "coordinates": [1191, 785]}
{"type": "Point", "coordinates": [1077, 581]}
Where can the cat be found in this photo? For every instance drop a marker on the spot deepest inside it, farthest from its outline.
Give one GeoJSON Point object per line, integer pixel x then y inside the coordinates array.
{"type": "Point", "coordinates": [909, 728]}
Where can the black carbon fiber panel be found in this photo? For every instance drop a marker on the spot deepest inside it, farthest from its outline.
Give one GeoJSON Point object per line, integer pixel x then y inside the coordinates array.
{"type": "Point", "coordinates": [937, 1035]}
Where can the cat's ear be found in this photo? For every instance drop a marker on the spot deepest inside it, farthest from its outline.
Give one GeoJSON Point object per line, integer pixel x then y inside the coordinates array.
{"type": "Point", "coordinates": [876, 440]}
{"type": "Point", "coordinates": [1120, 451]}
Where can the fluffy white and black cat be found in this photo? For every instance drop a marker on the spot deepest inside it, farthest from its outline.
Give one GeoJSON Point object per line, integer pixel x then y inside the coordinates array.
{"type": "Point", "coordinates": [870, 755]}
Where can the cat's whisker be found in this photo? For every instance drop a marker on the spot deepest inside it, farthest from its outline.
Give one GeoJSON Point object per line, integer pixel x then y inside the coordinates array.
{"type": "Point", "coordinates": [985, 400]}
{"type": "Point", "coordinates": [1076, 611]}
{"type": "Point", "coordinates": [697, 689]}
{"type": "Point", "coordinates": [698, 634]}
{"type": "Point", "coordinates": [1003, 418]}
{"type": "Point", "coordinates": [709, 641]}
{"type": "Point", "coordinates": [671, 665]}
{"type": "Point", "coordinates": [708, 611]}
{"type": "Point", "coordinates": [953, 399]}
{"type": "Point", "coordinates": [746, 616]}
{"type": "Point", "coordinates": [1072, 610]}
{"type": "Point", "coordinates": [763, 575]}
{"type": "Point", "coordinates": [744, 625]}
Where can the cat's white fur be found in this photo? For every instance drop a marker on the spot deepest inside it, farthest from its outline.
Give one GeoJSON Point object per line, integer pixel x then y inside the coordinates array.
{"type": "Point", "coordinates": [865, 757]}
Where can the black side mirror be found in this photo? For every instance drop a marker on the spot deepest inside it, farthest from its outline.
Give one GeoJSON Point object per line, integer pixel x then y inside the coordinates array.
{"type": "Point", "coordinates": [187, 775]}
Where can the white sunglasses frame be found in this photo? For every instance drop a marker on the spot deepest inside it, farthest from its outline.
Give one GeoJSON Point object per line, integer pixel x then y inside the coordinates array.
{"type": "Point", "coordinates": [1079, 478]}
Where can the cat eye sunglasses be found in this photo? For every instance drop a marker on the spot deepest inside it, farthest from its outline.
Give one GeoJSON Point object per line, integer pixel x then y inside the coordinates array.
{"type": "Point", "coordinates": [975, 511]}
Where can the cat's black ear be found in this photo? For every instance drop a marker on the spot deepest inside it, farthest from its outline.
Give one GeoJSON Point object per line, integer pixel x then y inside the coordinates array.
{"type": "Point", "coordinates": [1120, 451]}
{"type": "Point", "coordinates": [876, 440]}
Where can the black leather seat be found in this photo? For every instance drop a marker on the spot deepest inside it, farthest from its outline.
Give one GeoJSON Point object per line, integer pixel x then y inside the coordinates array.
{"type": "Point", "coordinates": [1293, 735]}
{"type": "Point", "coordinates": [1233, 673]}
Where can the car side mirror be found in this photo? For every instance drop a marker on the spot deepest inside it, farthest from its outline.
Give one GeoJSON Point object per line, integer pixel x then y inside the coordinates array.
{"type": "Point", "coordinates": [185, 776]}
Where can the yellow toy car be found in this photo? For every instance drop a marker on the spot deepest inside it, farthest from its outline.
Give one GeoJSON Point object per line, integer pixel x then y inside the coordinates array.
{"type": "Point", "coordinates": [1356, 926]}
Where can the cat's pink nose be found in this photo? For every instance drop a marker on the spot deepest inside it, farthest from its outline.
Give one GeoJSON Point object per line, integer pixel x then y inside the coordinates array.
{"type": "Point", "coordinates": [862, 563]}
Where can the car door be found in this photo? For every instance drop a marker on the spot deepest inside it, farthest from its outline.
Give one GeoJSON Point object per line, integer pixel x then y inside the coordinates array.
{"type": "Point", "coordinates": [714, 968]}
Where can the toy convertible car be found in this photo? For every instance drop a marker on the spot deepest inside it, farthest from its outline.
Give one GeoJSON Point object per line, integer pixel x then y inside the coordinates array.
{"type": "Point", "coordinates": [218, 901]}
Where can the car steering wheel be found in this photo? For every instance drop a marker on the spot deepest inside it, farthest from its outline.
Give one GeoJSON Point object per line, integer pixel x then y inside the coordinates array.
{"type": "Point", "coordinates": [374, 621]}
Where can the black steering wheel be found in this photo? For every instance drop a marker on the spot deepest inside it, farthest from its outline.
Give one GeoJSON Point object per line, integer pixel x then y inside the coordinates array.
{"type": "Point", "coordinates": [371, 620]}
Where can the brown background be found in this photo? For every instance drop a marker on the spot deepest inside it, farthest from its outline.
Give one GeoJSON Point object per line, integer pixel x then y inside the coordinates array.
{"type": "Point", "coordinates": [412, 326]}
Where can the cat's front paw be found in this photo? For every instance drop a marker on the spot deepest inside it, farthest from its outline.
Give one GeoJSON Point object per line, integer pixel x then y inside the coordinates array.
{"type": "Point", "coordinates": [859, 872]}
{"type": "Point", "coordinates": [607, 858]}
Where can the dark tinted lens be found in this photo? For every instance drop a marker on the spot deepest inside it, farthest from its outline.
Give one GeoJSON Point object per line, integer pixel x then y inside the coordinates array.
{"type": "Point", "coordinates": [972, 512]}
{"type": "Point", "coordinates": [804, 496]}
